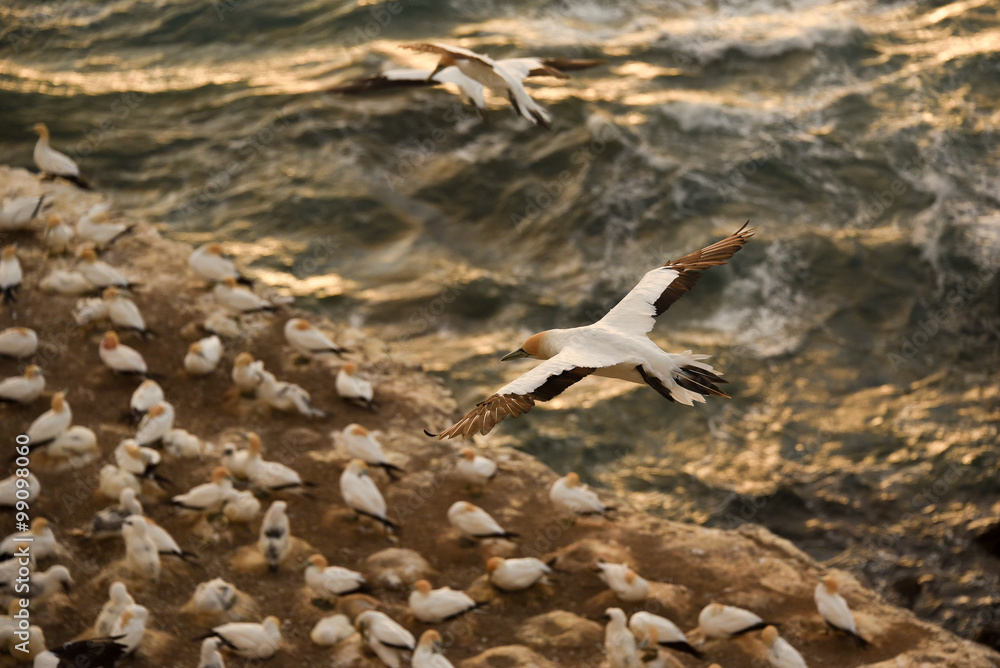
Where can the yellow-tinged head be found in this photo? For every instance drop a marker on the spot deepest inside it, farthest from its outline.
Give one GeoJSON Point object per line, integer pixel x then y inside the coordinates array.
{"type": "Point", "coordinates": [769, 635]}
{"type": "Point", "coordinates": [572, 479]}
{"type": "Point", "coordinates": [243, 359]}
{"type": "Point", "coordinates": [195, 348]}
{"type": "Point", "coordinates": [532, 347]}
{"type": "Point", "coordinates": [110, 341]}
{"type": "Point", "coordinates": [468, 454]}
{"type": "Point", "coordinates": [357, 466]}
{"type": "Point", "coordinates": [9, 252]}
{"type": "Point", "coordinates": [357, 430]}
{"type": "Point", "coordinates": [38, 525]}
{"type": "Point", "coordinates": [214, 249]}
{"type": "Point", "coordinates": [493, 563]}
{"type": "Point", "coordinates": [32, 371]}
{"type": "Point", "coordinates": [157, 410]}
{"type": "Point", "coordinates": [256, 445]}
{"type": "Point", "coordinates": [429, 638]}
{"type": "Point", "coordinates": [423, 586]}
{"type": "Point", "coordinates": [229, 282]}
{"type": "Point", "coordinates": [53, 221]}
{"type": "Point", "coordinates": [319, 561]}
{"type": "Point", "coordinates": [630, 576]}
{"type": "Point", "coordinates": [350, 368]}
{"type": "Point", "coordinates": [132, 448]}
{"type": "Point", "coordinates": [110, 292]}
{"type": "Point", "coordinates": [42, 131]}
{"type": "Point", "coordinates": [830, 585]}
{"type": "Point", "coordinates": [58, 402]}
{"type": "Point", "coordinates": [88, 254]}
{"type": "Point", "coordinates": [302, 324]}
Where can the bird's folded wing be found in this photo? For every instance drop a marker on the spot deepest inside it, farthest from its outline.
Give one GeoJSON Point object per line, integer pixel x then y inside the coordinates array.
{"type": "Point", "coordinates": [664, 285]}
{"type": "Point", "coordinates": [393, 635]}
{"type": "Point", "coordinates": [540, 384]}
{"type": "Point", "coordinates": [58, 163]}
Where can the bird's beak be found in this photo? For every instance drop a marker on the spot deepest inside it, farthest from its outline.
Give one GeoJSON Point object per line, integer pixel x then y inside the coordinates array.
{"type": "Point", "coordinates": [440, 66]}
{"type": "Point", "coordinates": [517, 354]}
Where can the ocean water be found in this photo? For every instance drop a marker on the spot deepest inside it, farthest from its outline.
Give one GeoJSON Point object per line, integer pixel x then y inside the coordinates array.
{"type": "Point", "coordinates": [859, 328]}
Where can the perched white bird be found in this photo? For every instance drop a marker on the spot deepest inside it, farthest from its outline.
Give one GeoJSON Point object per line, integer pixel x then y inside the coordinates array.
{"type": "Point", "coordinates": [16, 213]}
{"type": "Point", "coordinates": [75, 447]}
{"type": "Point", "coordinates": [239, 299]}
{"type": "Point", "coordinates": [475, 469]}
{"type": "Point", "coordinates": [53, 163]}
{"type": "Point", "coordinates": [65, 282]}
{"type": "Point", "coordinates": [137, 460]}
{"type": "Point", "coordinates": [109, 520]}
{"type": "Point", "coordinates": [210, 656]}
{"type": "Point", "coordinates": [275, 539]}
{"type": "Point", "coordinates": [141, 556]}
{"type": "Point", "coordinates": [309, 341]}
{"type": "Point", "coordinates": [50, 424]}
{"type": "Point", "coordinates": [18, 342]}
{"type": "Point", "coordinates": [242, 507]}
{"type": "Point", "coordinates": [429, 653]}
{"type": "Point", "coordinates": [502, 79]}
{"type": "Point", "coordinates": [123, 312]}
{"type": "Point", "coordinates": [113, 480]}
{"type": "Point", "coordinates": [250, 640]}
{"type": "Point", "coordinates": [728, 621]}
{"type": "Point", "coordinates": [361, 495]}
{"type": "Point", "coordinates": [286, 396]}
{"type": "Point", "coordinates": [43, 541]}
{"type": "Point", "coordinates": [23, 389]}
{"type": "Point", "coordinates": [834, 610]}
{"type": "Point", "coordinates": [385, 637]}
{"type": "Point", "coordinates": [272, 476]}
{"type": "Point", "coordinates": [475, 522]}
{"type": "Point", "coordinates": [93, 227]}
{"type": "Point", "coordinates": [120, 358]}
{"type": "Point", "coordinates": [516, 574]}
{"type": "Point", "coordinates": [223, 323]}
{"type": "Point", "coordinates": [9, 487]}
{"type": "Point", "coordinates": [100, 273]}
{"type": "Point", "coordinates": [155, 424]}
{"type": "Point", "coordinates": [203, 356]}
{"type": "Point", "coordinates": [331, 630]}
{"type": "Point", "coordinates": [619, 643]}
{"type": "Point", "coordinates": [182, 444]}
{"type": "Point", "coordinates": [235, 460]}
{"type": "Point", "coordinates": [623, 581]}
{"type": "Point", "coordinates": [436, 605]}
{"type": "Point", "coordinates": [10, 274]}
{"type": "Point", "coordinates": [145, 397]}
{"type": "Point", "coordinates": [209, 496]}
{"type": "Point", "coordinates": [131, 627]}
{"type": "Point", "coordinates": [215, 597]}
{"type": "Point", "coordinates": [209, 262]}
{"type": "Point", "coordinates": [362, 444]}
{"type": "Point", "coordinates": [44, 585]}
{"type": "Point", "coordinates": [353, 388]}
{"type": "Point", "coordinates": [118, 601]}
{"type": "Point", "coordinates": [667, 634]}
{"type": "Point", "coordinates": [164, 542]}
{"type": "Point", "coordinates": [57, 237]}
{"type": "Point", "coordinates": [331, 581]}
{"type": "Point", "coordinates": [89, 310]}
{"type": "Point", "coordinates": [779, 652]}
{"type": "Point", "coordinates": [247, 373]}
{"type": "Point", "coordinates": [616, 346]}
{"type": "Point", "coordinates": [569, 495]}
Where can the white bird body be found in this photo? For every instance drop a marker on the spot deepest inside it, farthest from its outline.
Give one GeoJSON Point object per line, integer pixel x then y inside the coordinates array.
{"type": "Point", "coordinates": [475, 469]}
{"type": "Point", "coordinates": [23, 389]}
{"type": "Point", "coordinates": [203, 356]}
{"type": "Point", "coordinates": [16, 213]}
{"type": "Point", "coordinates": [331, 630]}
{"type": "Point", "coordinates": [182, 444]}
{"type": "Point", "coordinates": [210, 496]}
{"type": "Point", "coordinates": [58, 236]}
{"type": "Point", "coordinates": [571, 496]}
{"type": "Point", "coordinates": [250, 640]}
{"type": "Point", "coordinates": [131, 627]}
{"type": "Point", "coordinates": [309, 341]}
{"type": "Point", "coordinates": [517, 574]}
{"type": "Point", "coordinates": [145, 397]}
{"type": "Point", "coordinates": [241, 507]}
{"type": "Point", "coordinates": [162, 540]}
{"type": "Point", "coordinates": [330, 581]}
{"type": "Point", "coordinates": [18, 342]}
{"type": "Point", "coordinates": [10, 274]}
{"type": "Point", "coordinates": [65, 282]}
{"type": "Point", "coordinates": [269, 475]}
{"type": "Point", "coordinates": [50, 424]}
{"type": "Point", "coordinates": [362, 444]}
{"type": "Point", "coordinates": [247, 373]}
{"type": "Point", "coordinates": [436, 605]}
{"type": "Point", "coordinates": [780, 652]}
{"type": "Point", "coordinates": [155, 424]}
{"type": "Point", "coordinates": [101, 233]}
{"type": "Point", "coordinates": [141, 555]}
{"type": "Point", "coordinates": [43, 541]}
{"type": "Point", "coordinates": [209, 263]}
{"type": "Point", "coordinates": [100, 273]}
{"type": "Point", "coordinates": [235, 460]}
{"type": "Point", "coordinates": [109, 520]}
{"type": "Point", "coordinates": [286, 396]}
{"type": "Point", "coordinates": [275, 539]}
{"type": "Point", "coordinates": [619, 643]}
{"type": "Point", "coordinates": [137, 460]}
{"type": "Point", "coordinates": [239, 299]}
{"type": "Point", "coordinates": [385, 637]}
{"type": "Point", "coordinates": [835, 612]}
{"type": "Point", "coordinates": [726, 621]}
{"type": "Point", "coordinates": [646, 627]}
{"type": "Point", "coordinates": [113, 481]}
{"type": "Point", "coordinates": [45, 584]}
{"type": "Point", "coordinates": [215, 597]}
{"type": "Point", "coordinates": [9, 487]}
{"type": "Point", "coordinates": [352, 387]}
{"type": "Point", "coordinates": [118, 601]}
{"type": "Point", "coordinates": [119, 357]}
{"type": "Point", "coordinates": [122, 311]}
{"type": "Point", "coordinates": [88, 310]}
{"type": "Point", "coordinates": [210, 656]}
{"type": "Point", "coordinates": [623, 581]}
{"type": "Point", "coordinates": [49, 160]}
{"type": "Point", "coordinates": [428, 653]}
{"type": "Point", "coordinates": [223, 323]}
{"type": "Point", "coordinates": [475, 522]}
{"type": "Point", "coordinates": [78, 445]}
{"type": "Point", "coordinates": [360, 493]}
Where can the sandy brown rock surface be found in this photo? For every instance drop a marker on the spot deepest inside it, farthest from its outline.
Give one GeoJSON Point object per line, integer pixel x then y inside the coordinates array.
{"type": "Point", "coordinates": [690, 566]}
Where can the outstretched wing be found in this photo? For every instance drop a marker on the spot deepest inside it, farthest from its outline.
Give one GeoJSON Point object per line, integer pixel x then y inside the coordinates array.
{"type": "Point", "coordinates": [389, 79]}
{"type": "Point", "coordinates": [545, 381]}
{"type": "Point", "coordinates": [664, 285]}
{"type": "Point", "coordinates": [456, 52]}
{"type": "Point", "coordinates": [545, 67]}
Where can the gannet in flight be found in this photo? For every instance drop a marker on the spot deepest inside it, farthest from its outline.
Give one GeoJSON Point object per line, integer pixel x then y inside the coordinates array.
{"type": "Point", "coordinates": [616, 346]}
{"type": "Point", "coordinates": [52, 162]}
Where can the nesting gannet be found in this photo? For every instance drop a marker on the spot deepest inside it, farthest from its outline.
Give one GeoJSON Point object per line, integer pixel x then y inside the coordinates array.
{"type": "Point", "coordinates": [728, 621]}
{"type": "Point", "coordinates": [24, 644]}
{"type": "Point", "coordinates": [216, 597]}
{"type": "Point", "coordinates": [569, 495]}
{"type": "Point", "coordinates": [501, 79]}
{"type": "Point", "coordinates": [118, 601]}
{"type": "Point", "coordinates": [353, 388]}
{"type": "Point", "coordinates": [75, 447]}
{"type": "Point", "coordinates": [834, 610]}
{"type": "Point", "coordinates": [23, 389]}
{"type": "Point", "coordinates": [251, 640]}
{"type": "Point", "coordinates": [43, 541]}
{"type": "Point", "coordinates": [331, 630]}
{"type": "Point", "coordinates": [619, 643]}
{"type": "Point", "coordinates": [309, 341]}
{"type": "Point", "coordinates": [65, 282]}
{"type": "Point", "coordinates": [623, 581]}
{"type": "Point", "coordinates": [99, 653]}
{"type": "Point", "coordinates": [209, 656]}
{"type": "Point", "coordinates": [286, 396]}
{"type": "Point", "coordinates": [50, 424]}
{"type": "Point", "coordinates": [429, 652]}
{"type": "Point", "coordinates": [362, 444]}
{"type": "Point", "coordinates": [141, 556]}
{"type": "Point", "coordinates": [155, 424]}
{"type": "Point", "coordinates": [437, 605]}
{"type": "Point", "coordinates": [164, 542]}
{"type": "Point", "coordinates": [239, 299]}
{"type": "Point", "coordinates": [667, 634]}
{"type": "Point", "coordinates": [272, 476]}
{"type": "Point", "coordinates": [203, 356]}
{"type": "Point", "coordinates": [236, 460]}
{"type": "Point", "coordinates": [93, 227]}
{"type": "Point", "coordinates": [516, 574]}
{"type": "Point", "coordinates": [385, 637]}
{"type": "Point", "coordinates": [57, 236]}
{"type": "Point", "coordinates": [242, 507]}
{"type": "Point", "coordinates": [361, 495]}
{"type": "Point", "coordinates": [108, 521]}
{"type": "Point", "coordinates": [44, 585]}
{"type": "Point", "coordinates": [247, 373]}
{"type": "Point", "coordinates": [222, 323]}
{"type": "Point", "coordinates": [52, 163]}
{"type": "Point", "coordinates": [330, 581]}
{"type": "Point", "coordinates": [89, 310]}
{"type": "Point", "coordinates": [475, 469]}
{"type": "Point", "coordinates": [145, 397]}
{"type": "Point", "coordinates": [182, 444]}
{"type": "Point", "coordinates": [16, 213]}
{"type": "Point", "coordinates": [100, 274]}
{"type": "Point", "coordinates": [123, 312]}
{"type": "Point", "coordinates": [10, 274]}
{"type": "Point", "coordinates": [780, 653]}
{"type": "Point", "coordinates": [475, 522]}
{"type": "Point", "coordinates": [210, 496]}
{"type": "Point", "coordinates": [120, 358]}
{"type": "Point", "coordinates": [113, 480]}
{"type": "Point", "coordinates": [616, 346]}
{"type": "Point", "coordinates": [131, 627]}
{"type": "Point", "coordinates": [11, 484]}
{"type": "Point", "coordinates": [275, 539]}
{"type": "Point", "coordinates": [138, 460]}
{"type": "Point", "coordinates": [209, 262]}
{"type": "Point", "coordinates": [18, 342]}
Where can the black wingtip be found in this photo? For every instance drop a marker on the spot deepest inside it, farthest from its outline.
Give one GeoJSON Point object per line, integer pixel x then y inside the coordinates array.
{"type": "Point", "coordinates": [430, 434]}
